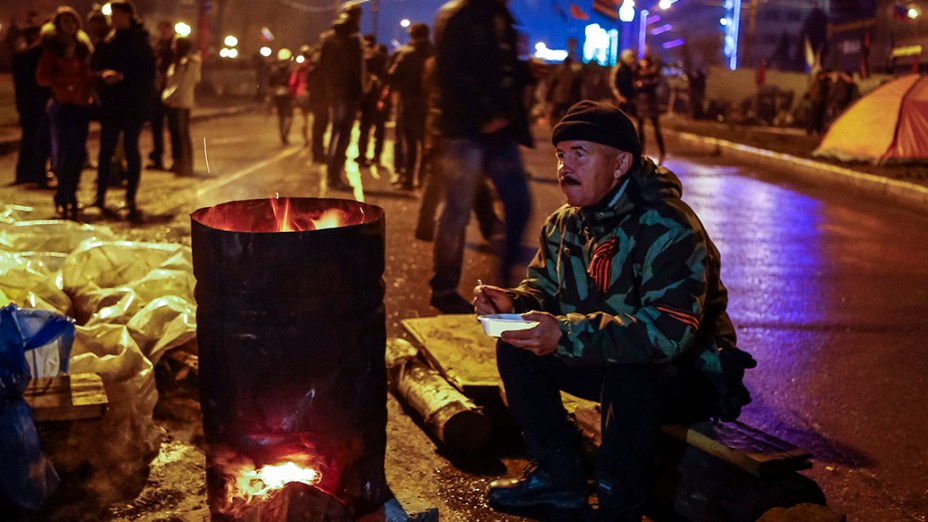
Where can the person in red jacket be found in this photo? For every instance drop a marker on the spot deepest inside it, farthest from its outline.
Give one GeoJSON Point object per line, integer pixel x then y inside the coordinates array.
{"type": "Point", "coordinates": [65, 67]}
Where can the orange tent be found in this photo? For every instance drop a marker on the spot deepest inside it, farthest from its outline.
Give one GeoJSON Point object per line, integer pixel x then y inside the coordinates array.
{"type": "Point", "coordinates": [888, 124]}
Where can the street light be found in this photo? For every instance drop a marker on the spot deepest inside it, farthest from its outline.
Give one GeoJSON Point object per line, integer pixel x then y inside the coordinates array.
{"type": "Point", "coordinates": [265, 51]}
{"type": "Point", "coordinates": [230, 41]}
{"type": "Point", "coordinates": [405, 22]}
{"type": "Point", "coordinates": [107, 9]}
{"type": "Point", "coordinates": [182, 29]}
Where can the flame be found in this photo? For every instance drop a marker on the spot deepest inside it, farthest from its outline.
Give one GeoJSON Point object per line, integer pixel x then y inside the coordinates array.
{"type": "Point", "coordinates": [331, 218]}
{"type": "Point", "coordinates": [289, 221]}
{"type": "Point", "coordinates": [250, 483]}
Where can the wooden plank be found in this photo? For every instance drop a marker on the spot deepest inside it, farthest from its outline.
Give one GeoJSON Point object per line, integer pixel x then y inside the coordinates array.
{"type": "Point", "coordinates": [458, 348]}
{"type": "Point", "coordinates": [66, 397]}
{"type": "Point", "coordinates": [752, 450]}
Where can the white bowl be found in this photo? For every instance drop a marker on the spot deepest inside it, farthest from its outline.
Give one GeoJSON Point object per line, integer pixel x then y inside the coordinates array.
{"type": "Point", "coordinates": [496, 324]}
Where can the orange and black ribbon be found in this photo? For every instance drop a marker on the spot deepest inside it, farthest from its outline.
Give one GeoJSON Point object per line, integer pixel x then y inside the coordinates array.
{"type": "Point", "coordinates": [601, 265]}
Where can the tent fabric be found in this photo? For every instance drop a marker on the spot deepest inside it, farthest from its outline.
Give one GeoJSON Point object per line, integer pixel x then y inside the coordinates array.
{"type": "Point", "coordinates": [888, 124]}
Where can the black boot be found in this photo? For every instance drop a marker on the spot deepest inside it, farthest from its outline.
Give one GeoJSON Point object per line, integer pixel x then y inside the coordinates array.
{"type": "Point", "coordinates": [536, 488]}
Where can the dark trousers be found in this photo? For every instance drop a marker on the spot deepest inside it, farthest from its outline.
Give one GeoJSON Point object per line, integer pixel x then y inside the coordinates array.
{"type": "Point", "coordinates": [284, 108]}
{"type": "Point", "coordinates": [34, 146]}
{"type": "Point", "coordinates": [656, 122]}
{"type": "Point", "coordinates": [411, 124]}
{"type": "Point", "coordinates": [320, 123]}
{"type": "Point", "coordinates": [110, 131]}
{"type": "Point", "coordinates": [181, 142]}
{"type": "Point", "coordinates": [343, 116]}
{"type": "Point", "coordinates": [371, 120]}
{"type": "Point", "coordinates": [158, 113]}
{"type": "Point", "coordinates": [635, 401]}
{"type": "Point", "coordinates": [69, 132]}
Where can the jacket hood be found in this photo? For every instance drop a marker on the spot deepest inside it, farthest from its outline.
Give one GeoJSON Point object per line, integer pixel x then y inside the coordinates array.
{"type": "Point", "coordinates": [655, 182]}
{"type": "Point", "coordinates": [56, 43]}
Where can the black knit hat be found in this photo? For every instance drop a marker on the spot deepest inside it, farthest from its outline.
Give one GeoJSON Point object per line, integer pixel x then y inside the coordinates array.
{"type": "Point", "coordinates": [600, 123]}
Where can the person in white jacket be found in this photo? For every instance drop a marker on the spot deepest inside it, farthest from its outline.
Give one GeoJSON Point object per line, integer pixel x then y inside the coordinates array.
{"type": "Point", "coordinates": [182, 78]}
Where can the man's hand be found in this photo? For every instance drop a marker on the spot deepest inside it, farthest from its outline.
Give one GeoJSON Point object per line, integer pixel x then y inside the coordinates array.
{"type": "Point", "coordinates": [490, 299]}
{"type": "Point", "coordinates": [540, 340]}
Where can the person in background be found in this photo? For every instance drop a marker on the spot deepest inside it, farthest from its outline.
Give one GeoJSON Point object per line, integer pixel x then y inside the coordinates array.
{"type": "Point", "coordinates": [31, 102]}
{"type": "Point", "coordinates": [279, 85]}
{"type": "Point", "coordinates": [125, 64]}
{"type": "Point", "coordinates": [631, 312]}
{"type": "Point", "coordinates": [342, 68]}
{"type": "Point", "coordinates": [647, 105]}
{"type": "Point", "coordinates": [164, 57]}
{"type": "Point", "coordinates": [318, 105]}
{"type": "Point", "coordinates": [298, 89]}
{"type": "Point", "coordinates": [372, 115]}
{"type": "Point", "coordinates": [181, 79]}
{"type": "Point", "coordinates": [406, 77]}
{"type": "Point", "coordinates": [481, 85]}
{"type": "Point", "coordinates": [563, 89]}
{"type": "Point", "coordinates": [841, 92]}
{"type": "Point", "coordinates": [818, 94]}
{"type": "Point", "coordinates": [622, 82]}
{"type": "Point", "coordinates": [65, 67]}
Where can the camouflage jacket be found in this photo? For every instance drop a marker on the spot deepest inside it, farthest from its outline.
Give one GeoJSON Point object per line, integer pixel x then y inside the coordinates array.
{"type": "Point", "coordinates": [634, 280]}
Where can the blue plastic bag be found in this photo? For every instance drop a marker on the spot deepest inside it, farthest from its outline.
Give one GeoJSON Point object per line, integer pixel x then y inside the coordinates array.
{"type": "Point", "coordinates": [27, 478]}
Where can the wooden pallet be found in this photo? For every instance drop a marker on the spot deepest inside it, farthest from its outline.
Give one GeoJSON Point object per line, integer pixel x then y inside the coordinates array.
{"type": "Point", "coordinates": [66, 397]}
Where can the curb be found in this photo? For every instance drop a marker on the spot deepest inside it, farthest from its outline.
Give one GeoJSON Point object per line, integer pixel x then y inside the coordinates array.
{"type": "Point", "coordinates": [11, 144]}
{"type": "Point", "coordinates": [904, 192]}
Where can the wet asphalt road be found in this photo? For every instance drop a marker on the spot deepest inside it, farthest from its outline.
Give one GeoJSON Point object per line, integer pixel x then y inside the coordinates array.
{"type": "Point", "coordinates": [828, 290]}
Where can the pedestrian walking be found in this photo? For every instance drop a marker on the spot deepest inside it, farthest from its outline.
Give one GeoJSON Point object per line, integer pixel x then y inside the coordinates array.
{"type": "Point", "coordinates": [342, 68]}
{"type": "Point", "coordinates": [298, 89]}
{"type": "Point", "coordinates": [481, 84]}
{"type": "Point", "coordinates": [622, 81]}
{"type": "Point", "coordinates": [647, 105]}
{"type": "Point", "coordinates": [564, 89]}
{"type": "Point", "coordinates": [406, 78]}
{"type": "Point", "coordinates": [164, 57]}
{"type": "Point", "coordinates": [373, 116]}
{"type": "Point", "coordinates": [181, 80]}
{"type": "Point", "coordinates": [65, 67]}
{"type": "Point", "coordinates": [31, 103]}
{"type": "Point", "coordinates": [125, 64]}
{"type": "Point", "coordinates": [318, 105]}
{"type": "Point", "coordinates": [281, 99]}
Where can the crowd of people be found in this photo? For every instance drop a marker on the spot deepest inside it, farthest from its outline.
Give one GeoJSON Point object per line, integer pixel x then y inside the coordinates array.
{"type": "Point", "coordinates": [113, 73]}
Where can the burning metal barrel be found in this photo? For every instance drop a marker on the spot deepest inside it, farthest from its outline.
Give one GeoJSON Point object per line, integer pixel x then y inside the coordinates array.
{"type": "Point", "coordinates": [291, 332]}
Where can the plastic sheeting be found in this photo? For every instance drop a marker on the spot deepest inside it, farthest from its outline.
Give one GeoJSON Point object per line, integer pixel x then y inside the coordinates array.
{"type": "Point", "coordinates": [133, 302]}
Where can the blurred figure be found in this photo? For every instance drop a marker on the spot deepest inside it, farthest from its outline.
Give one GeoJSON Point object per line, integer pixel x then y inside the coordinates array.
{"type": "Point", "coordinates": [31, 101]}
{"type": "Point", "coordinates": [318, 105]}
{"type": "Point", "coordinates": [125, 63]}
{"type": "Point", "coordinates": [481, 84]}
{"type": "Point", "coordinates": [564, 89]}
{"type": "Point", "coordinates": [433, 181]}
{"type": "Point", "coordinates": [647, 106]}
{"type": "Point", "coordinates": [181, 79]}
{"type": "Point", "coordinates": [65, 67]}
{"type": "Point", "coordinates": [818, 93]}
{"type": "Point", "coordinates": [622, 82]}
{"type": "Point", "coordinates": [406, 77]}
{"type": "Point", "coordinates": [373, 117]}
{"type": "Point", "coordinates": [842, 91]}
{"type": "Point", "coordinates": [342, 67]}
{"type": "Point", "coordinates": [279, 85]}
{"type": "Point", "coordinates": [299, 91]}
{"type": "Point", "coordinates": [164, 57]}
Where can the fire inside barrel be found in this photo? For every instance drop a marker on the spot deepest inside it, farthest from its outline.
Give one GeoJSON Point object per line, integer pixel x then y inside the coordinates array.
{"type": "Point", "coordinates": [291, 333]}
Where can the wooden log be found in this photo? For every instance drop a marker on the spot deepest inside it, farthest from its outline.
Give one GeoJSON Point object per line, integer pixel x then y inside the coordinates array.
{"type": "Point", "coordinates": [448, 414]}
{"type": "Point", "coordinates": [66, 397]}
